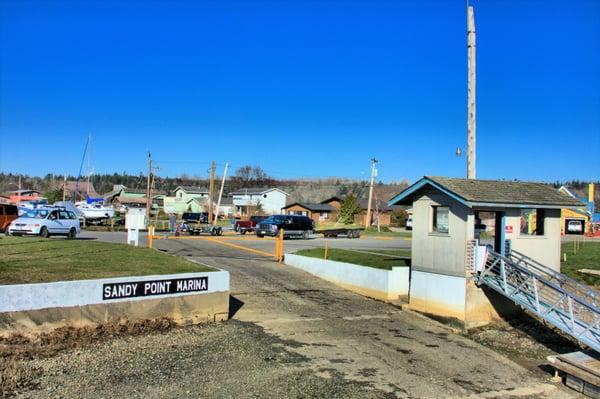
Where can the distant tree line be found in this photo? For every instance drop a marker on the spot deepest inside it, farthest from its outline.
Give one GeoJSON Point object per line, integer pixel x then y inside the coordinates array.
{"type": "Point", "coordinates": [248, 176]}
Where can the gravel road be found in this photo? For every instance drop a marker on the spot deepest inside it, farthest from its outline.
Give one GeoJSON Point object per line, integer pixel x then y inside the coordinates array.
{"type": "Point", "coordinates": [233, 359]}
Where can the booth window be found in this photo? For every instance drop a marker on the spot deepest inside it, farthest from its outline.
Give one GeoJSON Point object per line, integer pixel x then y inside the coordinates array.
{"type": "Point", "coordinates": [532, 222]}
{"type": "Point", "coordinates": [440, 219]}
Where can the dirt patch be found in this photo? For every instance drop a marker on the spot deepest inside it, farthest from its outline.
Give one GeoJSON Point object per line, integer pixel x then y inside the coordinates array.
{"type": "Point", "coordinates": [16, 375]}
{"type": "Point", "coordinates": [156, 360]}
{"type": "Point", "coordinates": [524, 340]}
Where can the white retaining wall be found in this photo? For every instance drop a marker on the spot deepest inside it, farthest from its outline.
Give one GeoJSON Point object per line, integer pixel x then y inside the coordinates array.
{"type": "Point", "coordinates": [20, 297]}
{"type": "Point", "coordinates": [438, 294]}
{"type": "Point", "coordinates": [378, 283]}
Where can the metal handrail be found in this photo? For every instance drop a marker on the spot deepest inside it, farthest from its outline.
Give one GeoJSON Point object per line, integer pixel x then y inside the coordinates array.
{"type": "Point", "coordinates": [529, 262]}
{"type": "Point", "coordinates": [533, 286]}
{"type": "Point", "coordinates": [548, 283]}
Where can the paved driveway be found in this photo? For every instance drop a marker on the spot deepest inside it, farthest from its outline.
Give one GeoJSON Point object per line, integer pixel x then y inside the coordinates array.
{"type": "Point", "coordinates": [358, 338]}
{"type": "Point", "coordinates": [342, 336]}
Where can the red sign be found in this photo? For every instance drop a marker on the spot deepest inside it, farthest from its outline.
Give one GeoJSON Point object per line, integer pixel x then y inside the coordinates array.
{"type": "Point", "coordinates": [508, 229]}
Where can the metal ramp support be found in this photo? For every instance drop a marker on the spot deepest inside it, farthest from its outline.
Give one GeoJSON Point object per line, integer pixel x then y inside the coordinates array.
{"type": "Point", "coordinates": [559, 300]}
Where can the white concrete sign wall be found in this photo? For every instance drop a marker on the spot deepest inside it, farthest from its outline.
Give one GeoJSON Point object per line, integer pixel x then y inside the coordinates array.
{"type": "Point", "coordinates": [379, 283]}
{"type": "Point", "coordinates": [22, 297]}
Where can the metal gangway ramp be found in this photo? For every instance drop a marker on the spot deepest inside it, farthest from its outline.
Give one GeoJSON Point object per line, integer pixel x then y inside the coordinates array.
{"type": "Point", "coordinates": [559, 300]}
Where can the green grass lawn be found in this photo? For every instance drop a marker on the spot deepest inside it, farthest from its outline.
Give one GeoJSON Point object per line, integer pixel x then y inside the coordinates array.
{"type": "Point", "coordinates": [372, 231]}
{"type": "Point", "coordinates": [587, 257]}
{"type": "Point", "coordinates": [33, 260]}
{"type": "Point", "coordinates": [394, 258]}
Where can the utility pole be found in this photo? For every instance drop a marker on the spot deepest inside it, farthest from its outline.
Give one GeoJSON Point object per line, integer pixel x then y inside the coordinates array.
{"type": "Point", "coordinates": [212, 192]}
{"type": "Point", "coordinates": [148, 191]}
{"type": "Point", "coordinates": [152, 186]}
{"type": "Point", "coordinates": [19, 193]}
{"type": "Point", "coordinates": [64, 187]}
{"type": "Point", "coordinates": [471, 120]}
{"type": "Point", "coordinates": [373, 174]}
{"type": "Point", "coordinates": [221, 193]}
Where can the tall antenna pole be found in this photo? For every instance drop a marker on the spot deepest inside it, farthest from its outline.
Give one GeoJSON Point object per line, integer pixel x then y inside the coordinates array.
{"type": "Point", "coordinates": [373, 174]}
{"type": "Point", "coordinates": [221, 193]}
{"type": "Point", "coordinates": [471, 120]}
{"type": "Point", "coordinates": [148, 193]}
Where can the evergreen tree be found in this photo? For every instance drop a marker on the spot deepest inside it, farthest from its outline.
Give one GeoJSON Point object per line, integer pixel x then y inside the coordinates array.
{"type": "Point", "coordinates": [349, 208]}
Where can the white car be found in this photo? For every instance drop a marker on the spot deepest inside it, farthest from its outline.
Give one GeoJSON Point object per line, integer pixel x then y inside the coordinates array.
{"type": "Point", "coordinates": [45, 222]}
{"type": "Point", "coordinates": [574, 226]}
{"type": "Point", "coordinates": [409, 223]}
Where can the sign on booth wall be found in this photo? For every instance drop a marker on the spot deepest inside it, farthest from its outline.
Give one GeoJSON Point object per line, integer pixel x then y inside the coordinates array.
{"type": "Point", "coordinates": [153, 287]}
{"type": "Point", "coordinates": [508, 229]}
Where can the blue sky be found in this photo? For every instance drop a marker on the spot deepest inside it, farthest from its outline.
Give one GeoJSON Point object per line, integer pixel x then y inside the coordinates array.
{"type": "Point", "coordinates": [304, 89]}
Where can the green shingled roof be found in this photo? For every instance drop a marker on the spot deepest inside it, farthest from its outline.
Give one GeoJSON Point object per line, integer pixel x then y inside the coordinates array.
{"type": "Point", "coordinates": [475, 191]}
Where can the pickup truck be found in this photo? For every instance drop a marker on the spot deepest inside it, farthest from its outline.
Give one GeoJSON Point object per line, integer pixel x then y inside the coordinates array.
{"type": "Point", "coordinates": [243, 226]}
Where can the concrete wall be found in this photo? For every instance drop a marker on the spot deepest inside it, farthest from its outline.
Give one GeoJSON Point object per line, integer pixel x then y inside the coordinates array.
{"type": "Point", "coordinates": [438, 294]}
{"type": "Point", "coordinates": [49, 305]}
{"type": "Point", "coordinates": [435, 252]}
{"type": "Point", "coordinates": [544, 249]}
{"type": "Point", "coordinates": [375, 283]}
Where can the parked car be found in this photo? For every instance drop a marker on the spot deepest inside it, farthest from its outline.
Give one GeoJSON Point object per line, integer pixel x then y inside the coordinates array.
{"type": "Point", "coordinates": [195, 217]}
{"type": "Point", "coordinates": [409, 223]}
{"type": "Point", "coordinates": [575, 226]}
{"type": "Point", "coordinates": [243, 226]}
{"type": "Point", "coordinates": [292, 225]}
{"type": "Point", "coordinates": [8, 213]}
{"type": "Point", "coordinates": [45, 222]}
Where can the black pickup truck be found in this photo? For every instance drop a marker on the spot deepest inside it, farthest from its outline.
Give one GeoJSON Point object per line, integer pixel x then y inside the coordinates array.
{"type": "Point", "coordinates": [292, 225]}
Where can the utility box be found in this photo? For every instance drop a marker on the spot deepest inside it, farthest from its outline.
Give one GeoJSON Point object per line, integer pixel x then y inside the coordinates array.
{"type": "Point", "coordinates": [135, 220]}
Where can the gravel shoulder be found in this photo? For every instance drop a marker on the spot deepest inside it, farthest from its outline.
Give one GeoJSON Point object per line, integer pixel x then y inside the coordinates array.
{"type": "Point", "coordinates": [233, 359]}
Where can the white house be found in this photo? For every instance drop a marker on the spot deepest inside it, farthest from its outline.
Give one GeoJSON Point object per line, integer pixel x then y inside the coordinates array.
{"type": "Point", "coordinates": [227, 209]}
{"type": "Point", "coordinates": [247, 200]}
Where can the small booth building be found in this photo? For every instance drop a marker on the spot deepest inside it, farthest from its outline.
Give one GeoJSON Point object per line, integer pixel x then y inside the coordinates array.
{"type": "Point", "coordinates": [449, 238]}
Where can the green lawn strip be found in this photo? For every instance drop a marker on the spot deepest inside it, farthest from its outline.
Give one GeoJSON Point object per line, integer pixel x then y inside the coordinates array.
{"type": "Point", "coordinates": [385, 232]}
{"type": "Point", "coordinates": [394, 258]}
{"type": "Point", "coordinates": [24, 260]}
{"type": "Point", "coordinates": [587, 257]}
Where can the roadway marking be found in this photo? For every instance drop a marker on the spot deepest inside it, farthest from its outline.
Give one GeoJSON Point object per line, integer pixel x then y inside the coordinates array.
{"type": "Point", "coordinates": [228, 244]}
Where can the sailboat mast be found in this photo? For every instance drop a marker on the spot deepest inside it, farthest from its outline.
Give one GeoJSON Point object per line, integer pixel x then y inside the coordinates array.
{"type": "Point", "coordinates": [74, 194]}
{"type": "Point", "coordinates": [89, 158]}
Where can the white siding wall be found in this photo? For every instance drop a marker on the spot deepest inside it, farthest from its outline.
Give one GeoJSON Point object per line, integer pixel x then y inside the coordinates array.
{"type": "Point", "coordinates": [440, 253]}
{"type": "Point", "coordinates": [544, 249]}
{"type": "Point", "coordinates": [274, 202]}
{"type": "Point", "coordinates": [271, 201]}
